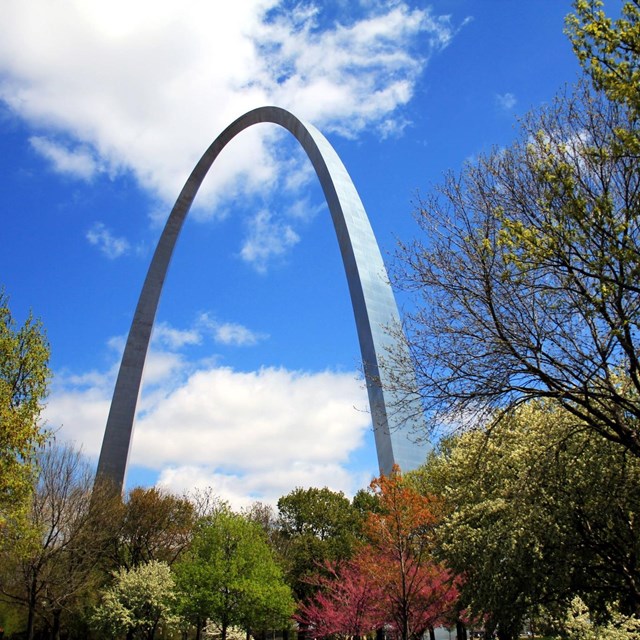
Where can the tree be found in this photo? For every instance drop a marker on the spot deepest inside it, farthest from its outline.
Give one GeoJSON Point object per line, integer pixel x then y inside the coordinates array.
{"type": "Point", "coordinates": [419, 592]}
{"type": "Point", "coordinates": [393, 580]}
{"type": "Point", "coordinates": [265, 517]}
{"type": "Point", "coordinates": [528, 276]}
{"type": "Point", "coordinates": [609, 50]}
{"type": "Point", "coordinates": [140, 601]}
{"type": "Point", "coordinates": [538, 511]}
{"type": "Point", "coordinates": [151, 525]}
{"type": "Point", "coordinates": [346, 602]}
{"type": "Point", "coordinates": [229, 576]}
{"type": "Point", "coordinates": [316, 526]}
{"type": "Point", "coordinates": [24, 374]}
{"type": "Point", "coordinates": [49, 567]}
{"type": "Point", "coordinates": [580, 625]}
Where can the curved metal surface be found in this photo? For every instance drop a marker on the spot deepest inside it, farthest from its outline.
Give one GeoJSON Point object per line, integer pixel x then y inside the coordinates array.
{"type": "Point", "coordinates": [373, 303]}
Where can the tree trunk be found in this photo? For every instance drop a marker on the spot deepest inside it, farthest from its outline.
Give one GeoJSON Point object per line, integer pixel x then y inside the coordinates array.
{"type": "Point", "coordinates": [55, 629]}
{"type": "Point", "coordinates": [461, 631]}
{"type": "Point", "coordinates": [152, 631]}
{"type": "Point", "coordinates": [405, 625]}
{"type": "Point", "coordinates": [432, 633]}
{"type": "Point", "coordinates": [32, 608]}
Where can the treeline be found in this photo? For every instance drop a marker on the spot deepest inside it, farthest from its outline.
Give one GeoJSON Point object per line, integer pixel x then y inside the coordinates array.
{"type": "Point", "coordinates": [84, 563]}
{"type": "Point", "coordinates": [533, 525]}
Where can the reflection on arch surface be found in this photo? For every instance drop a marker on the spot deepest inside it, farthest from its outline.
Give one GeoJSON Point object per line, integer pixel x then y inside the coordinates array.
{"type": "Point", "coordinates": [373, 303]}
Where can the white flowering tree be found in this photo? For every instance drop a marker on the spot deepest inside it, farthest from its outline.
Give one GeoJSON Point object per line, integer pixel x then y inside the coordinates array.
{"type": "Point", "coordinates": [579, 625]}
{"type": "Point", "coordinates": [140, 602]}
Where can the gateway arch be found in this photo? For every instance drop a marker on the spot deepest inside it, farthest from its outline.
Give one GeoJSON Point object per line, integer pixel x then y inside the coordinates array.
{"type": "Point", "coordinates": [374, 307]}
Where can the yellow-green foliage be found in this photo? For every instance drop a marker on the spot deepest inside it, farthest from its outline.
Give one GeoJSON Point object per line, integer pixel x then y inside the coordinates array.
{"type": "Point", "coordinates": [12, 619]}
{"type": "Point", "coordinates": [24, 374]}
{"type": "Point", "coordinates": [538, 509]}
{"type": "Point", "coordinates": [579, 625]}
{"type": "Point", "coordinates": [608, 49]}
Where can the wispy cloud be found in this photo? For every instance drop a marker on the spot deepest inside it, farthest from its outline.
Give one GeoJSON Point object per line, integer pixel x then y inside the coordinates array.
{"type": "Point", "coordinates": [174, 338]}
{"type": "Point", "coordinates": [506, 101]}
{"type": "Point", "coordinates": [166, 337]}
{"type": "Point", "coordinates": [266, 239]}
{"type": "Point", "coordinates": [78, 162]}
{"type": "Point", "coordinates": [230, 333]}
{"type": "Point", "coordinates": [110, 245]}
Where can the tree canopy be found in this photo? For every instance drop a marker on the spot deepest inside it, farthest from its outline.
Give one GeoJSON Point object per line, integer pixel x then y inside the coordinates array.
{"type": "Point", "coordinates": [24, 375]}
{"type": "Point", "coordinates": [150, 525]}
{"type": "Point", "coordinates": [315, 526]}
{"type": "Point", "coordinates": [139, 602]}
{"type": "Point", "coordinates": [538, 511]}
{"type": "Point", "coordinates": [609, 49]}
{"type": "Point", "coordinates": [229, 576]}
{"type": "Point", "coordinates": [527, 275]}
{"type": "Point", "coordinates": [49, 567]}
{"type": "Point", "coordinates": [393, 580]}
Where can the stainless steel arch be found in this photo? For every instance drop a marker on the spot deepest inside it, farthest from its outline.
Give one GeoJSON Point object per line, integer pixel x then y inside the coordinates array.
{"type": "Point", "coordinates": [373, 303]}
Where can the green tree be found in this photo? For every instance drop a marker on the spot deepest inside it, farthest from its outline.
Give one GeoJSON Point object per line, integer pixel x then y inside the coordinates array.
{"type": "Point", "coordinates": [528, 274]}
{"type": "Point", "coordinates": [580, 625]}
{"type": "Point", "coordinates": [536, 512]}
{"type": "Point", "coordinates": [229, 576]}
{"type": "Point", "coordinates": [316, 526]}
{"type": "Point", "coordinates": [24, 375]}
{"type": "Point", "coordinates": [141, 601]}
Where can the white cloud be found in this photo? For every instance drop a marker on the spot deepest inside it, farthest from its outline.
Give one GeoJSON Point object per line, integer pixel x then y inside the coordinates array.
{"type": "Point", "coordinates": [79, 410]}
{"type": "Point", "coordinates": [78, 162]}
{"type": "Point", "coordinates": [292, 415]}
{"type": "Point", "coordinates": [175, 338]}
{"type": "Point", "coordinates": [162, 367]}
{"type": "Point", "coordinates": [146, 86]}
{"type": "Point", "coordinates": [112, 246]}
{"type": "Point", "coordinates": [350, 77]}
{"type": "Point", "coordinates": [249, 435]}
{"type": "Point", "coordinates": [506, 101]}
{"type": "Point", "coordinates": [267, 238]}
{"type": "Point", "coordinates": [230, 333]}
{"type": "Point", "coordinates": [263, 485]}
{"type": "Point", "coordinates": [257, 435]}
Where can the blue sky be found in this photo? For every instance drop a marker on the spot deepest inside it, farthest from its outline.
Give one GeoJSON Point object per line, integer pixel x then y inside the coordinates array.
{"type": "Point", "coordinates": [252, 385]}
